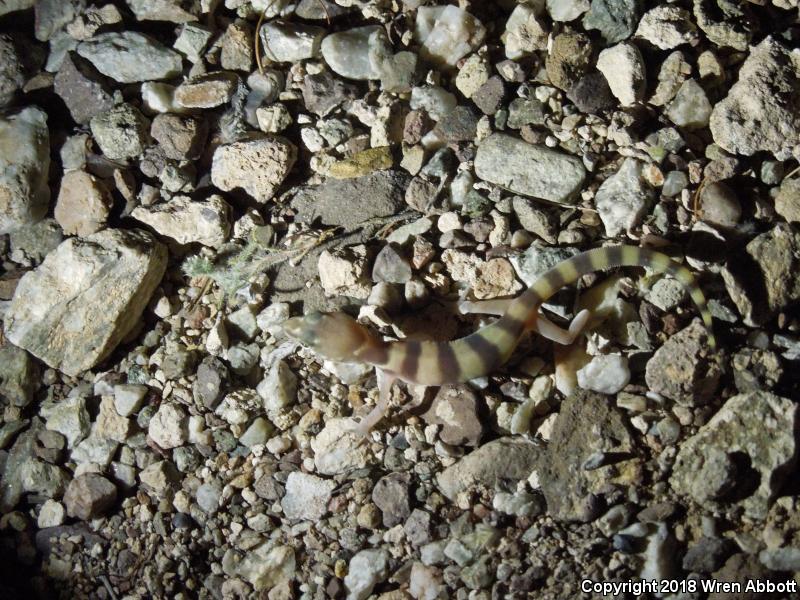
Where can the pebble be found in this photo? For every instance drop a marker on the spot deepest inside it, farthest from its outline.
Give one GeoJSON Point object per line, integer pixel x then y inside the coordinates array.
{"type": "Point", "coordinates": [614, 19]}
{"type": "Point", "coordinates": [89, 496]}
{"type": "Point", "coordinates": [667, 27]}
{"type": "Point", "coordinates": [307, 496]}
{"type": "Point", "coordinates": [674, 183]}
{"type": "Point", "coordinates": [566, 10]}
{"type": "Point", "coordinates": [208, 497]}
{"type": "Point", "coordinates": [606, 374]}
{"type": "Point", "coordinates": [121, 132]}
{"type": "Point", "coordinates": [82, 90]}
{"type": "Point", "coordinates": [446, 34]}
{"type": "Point", "coordinates": [473, 74]}
{"type": "Point", "coordinates": [781, 559]}
{"type": "Point", "coordinates": [490, 96]}
{"type": "Point", "coordinates": [356, 53]}
{"type": "Point", "coordinates": [274, 119]}
{"type": "Point", "coordinates": [278, 389]}
{"type": "Point", "coordinates": [169, 426]}
{"type": "Point", "coordinates": [367, 568]}
{"type": "Point", "coordinates": [257, 166]}
{"type": "Point", "coordinates": [391, 265]}
{"type": "Point", "coordinates": [206, 91]}
{"type": "Point", "coordinates": [690, 107]}
{"type": "Point", "coordinates": [624, 199]}
{"type": "Point", "coordinates": [130, 57]}
{"type": "Point", "coordinates": [51, 514]}
{"type": "Point", "coordinates": [528, 169]}
{"type": "Point", "coordinates": [83, 204]}
{"type": "Point", "coordinates": [525, 33]}
{"type": "Point", "coordinates": [623, 67]}
{"type": "Point", "coordinates": [187, 221]}
{"type": "Point", "coordinates": [719, 205]}
{"type": "Point", "coordinates": [19, 376]}
{"type": "Point", "coordinates": [591, 94]}
{"type": "Point", "coordinates": [24, 166]}
{"type": "Point", "coordinates": [568, 59]}
{"type": "Point", "coordinates": [787, 201]}
{"type": "Point", "coordinates": [290, 42]}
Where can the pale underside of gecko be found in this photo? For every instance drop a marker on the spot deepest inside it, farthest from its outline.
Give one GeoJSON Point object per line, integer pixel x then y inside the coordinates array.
{"type": "Point", "coordinates": [340, 338]}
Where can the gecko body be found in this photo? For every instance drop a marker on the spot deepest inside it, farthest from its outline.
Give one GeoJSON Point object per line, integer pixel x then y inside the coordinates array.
{"type": "Point", "coordinates": [339, 337]}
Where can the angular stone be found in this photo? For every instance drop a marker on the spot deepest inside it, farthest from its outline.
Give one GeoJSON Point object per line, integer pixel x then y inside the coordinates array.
{"type": "Point", "coordinates": [82, 89]}
{"type": "Point", "coordinates": [206, 91]}
{"type": "Point", "coordinates": [762, 109]}
{"type": "Point", "coordinates": [525, 32]}
{"type": "Point", "coordinates": [323, 92]}
{"type": "Point", "coordinates": [624, 198]}
{"type": "Point", "coordinates": [83, 204]}
{"type": "Point", "coordinates": [169, 427]}
{"type": "Point", "coordinates": [121, 132]}
{"type": "Point", "coordinates": [186, 221]}
{"type": "Point", "coordinates": [180, 137]}
{"type": "Point", "coordinates": [357, 53]}
{"type": "Point", "coordinates": [566, 10]}
{"type": "Point", "coordinates": [623, 67]}
{"type": "Point", "coordinates": [257, 166]}
{"type": "Point", "coordinates": [290, 42]}
{"type": "Point", "coordinates": [690, 108]}
{"type": "Point", "coordinates": [568, 59]}
{"type": "Point", "coordinates": [12, 69]}
{"type": "Point", "coordinates": [18, 374]}
{"type": "Point", "coordinates": [529, 170]}
{"type": "Point", "coordinates": [447, 34]}
{"type": "Point", "coordinates": [85, 298]}
{"type": "Point", "coordinates": [162, 10]}
{"type": "Point", "coordinates": [753, 438]}
{"type": "Point", "coordinates": [614, 19]}
{"type": "Point", "coordinates": [9, 6]}
{"type": "Point", "coordinates": [306, 496]}
{"type": "Point", "coordinates": [24, 167]}
{"type": "Point", "coordinates": [725, 22]}
{"type": "Point", "coordinates": [130, 57]}
{"type": "Point", "coordinates": [667, 26]}
{"type": "Point", "coordinates": [89, 496]}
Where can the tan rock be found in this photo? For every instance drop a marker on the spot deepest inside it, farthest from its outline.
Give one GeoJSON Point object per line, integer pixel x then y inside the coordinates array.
{"type": "Point", "coordinates": [83, 204]}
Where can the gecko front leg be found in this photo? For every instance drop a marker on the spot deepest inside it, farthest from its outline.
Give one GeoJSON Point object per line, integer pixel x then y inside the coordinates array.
{"type": "Point", "coordinates": [385, 382]}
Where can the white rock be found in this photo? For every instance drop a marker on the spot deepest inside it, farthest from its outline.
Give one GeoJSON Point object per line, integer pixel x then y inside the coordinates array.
{"type": "Point", "coordinates": [290, 42]}
{"type": "Point", "coordinates": [525, 32]}
{"type": "Point", "coordinates": [279, 388]}
{"type": "Point", "coordinates": [169, 426]}
{"type": "Point", "coordinates": [87, 295]}
{"type": "Point", "coordinates": [306, 496]}
{"type": "Point", "coordinates": [434, 100]}
{"type": "Point", "coordinates": [624, 198]}
{"type": "Point", "coordinates": [130, 57]}
{"type": "Point", "coordinates": [447, 34]}
{"type": "Point", "coordinates": [51, 514]}
{"type": "Point", "coordinates": [9, 6]}
{"type": "Point", "coordinates": [367, 568]}
{"type": "Point", "coordinates": [24, 166]}
{"type": "Point", "coordinates": [690, 108]}
{"type": "Point", "coordinates": [667, 26]}
{"type": "Point", "coordinates": [339, 449]}
{"type": "Point", "coordinates": [267, 566]}
{"type": "Point", "coordinates": [160, 98]}
{"type": "Point", "coordinates": [208, 497]}
{"type": "Point", "coordinates": [606, 374]}
{"type": "Point", "coordinates": [357, 53]}
{"type": "Point", "coordinates": [186, 221]}
{"type": "Point", "coordinates": [271, 319]}
{"type": "Point", "coordinates": [68, 417]}
{"type": "Point", "coordinates": [623, 67]}
{"type": "Point", "coordinates": [344, 272]}
{"type": "Point", "coordinates": [472, 75]}
{"type": "Point", "coordinates": [257, 166]}
{"type": "Point", "coordinates": [273, 119]}
{"type": "Point", "coordinates": [567, 10]}
{"type": "Point", "coordinates": [129, 397]}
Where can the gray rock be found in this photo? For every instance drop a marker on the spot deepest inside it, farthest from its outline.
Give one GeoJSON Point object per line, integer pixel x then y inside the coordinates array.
{"type": "Point", "coordinates": [291, 42]}
{"type": "Point", "coordinates": [566, 10]}
{"type": "Point", "coordinates": [455, 408]}
{"type": "Point", "coordinates": [169, 426]}
{"type": "Point", "coordinates": [208, 387]}
{"type": "Point", "coordinates": [110, 424]}
{"type": "Point", "coordinates": [257, 166]}
{"type": "Point", "coordinates": [614, 19]}
{"type": "Point", "coordinates": [667, 26]}
{"type": "Point", "coordinates": [690, 108]}
{"type": "Point", "coordinates": [525, 111]}
{"type": "Point", "coordinates": [129, 397]}
{"type": "Point", "coordinates": [94, 450]}
{"type": "Point", "coordinates": [85, 298]}
{"type": "Point", "coordinates": [24, 167]}
{"type": "Point", "coordinates": [208, 497]}
{"type": "Point", "coordinates": [180, 137]}
{"type": "Point", "coordinates": [162, 10]}
{"type": "Point", "coordinates": [529, 170]}
{"type": "Point", "coordinates": [391, 494]}
{"type": "Point", "coordinates": [122, 132]}
{"type": "Point", "coordinates": [586, 427]}
{"type": "Point", "coordinates": [52, 15]}
{"type": "Point", "coordinates": [89, 496]}
{"type": "Point", "coordinates": [755, 369]}
{"type": "Point", "coordinates": [787, 202]}
{"type": "Point", "coordinates": [724, 22]}
{"type": "Point", "coordinates": [446, 34]}
{"type": "Point", "coordinates": [525, 33]}
{"type": "Point", "coordinates": [366, 569]}
{"type": "Point", "coordinates": [591, 93]}
{"type": "Point", "coordinates": [489, 96]}
{"type": "Point", "coordinates": [624, 198]}
{"type": "Point", "coordinates": [82, 89]}
{"type": "Point", "coordinates": [682, 369]}
{"type": "Point", "coordinates": [719, 205]}
{"type": "Point", "coordinates": [187, 221]}
{"type": "Point", "coordinates": [159, 477]}
{"type": "Point", "coordinates": [307, 496]}
{"type": "Point", "coordinates": [11, 475]}
{"type": "Point", "coordinates": [501, 461]}
{"type": "Point", "coordinates": [391, 265]}
{"type": "Point", "coordinates": [9, 6]}
{"type": "Point", "coordinates": [130, 57]}
{"type": "Point", "coordinates": [337, 449]}
{"type": "Point", "coordinates": [68, 417]}
{"type": "Point", "coordinates": [707, 555]}
{"type": "Point", "coordinates": [18, 376]}
{"type": "Point", "coordinates": [458, 125]}
{"type": "Point", "coordinates": [323, 92]}
{"type": "Point", "coordinates": [762, 109]}
{"type": "Point", "coordinates": [752, 438]}
{"type": "Point", "coordinates": [12, 72]}
{"type": "Point", "coordinates": [781, 559]}
{"type": "Point", "coordinates": [258, 433]}
{"type": "Point", "coordinates": [356, 53]}
{"type": "Point", "coordinates": [318, 10]}
{"type": "Point", "coordinates": [761, 280]}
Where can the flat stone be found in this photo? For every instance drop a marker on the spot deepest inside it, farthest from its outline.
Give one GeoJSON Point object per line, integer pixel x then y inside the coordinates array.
{"type": "Point", "coordinates": [357, 53]}
{"type": "Point", "coordinates": [614, 19]}
{"type": "Point", "coordinates": [206, 91]}
{"type": "Point", "coordinates": [130, 57]}
{"type": "Point", "coordinates": [85, 297]}
{"type": "Point", "coordinates": [753, 438]}
{"type": "Point", "coordinates": [505, 460]}
{"type": "Point", "coordinates": [83, 204]}
{"type": "Point", "coordinates": [307, 496]}
{"type": "Point", "coordinates": [363, 163]}
{"type": "Point", "coordinates": [256, 166]}
{"type": "Point", "coordinates": [762, 109]}
{"type": "Point", "coordinates": [624, 198]}
{"type": "Point", "coordinates": [24, 167]}
{"type": "Point", "coordinates": [667, 27]}
{"type": "Point", "coordinates": [162, 10]}
{"type": "Point", "coordinates": [290, 42]}
{"type": "Point", "coordinates": [187, 221]}
{"type": "Point", "coordinates": [82, 89]}
{"type": "Point", "coordinates": [89, 496]}
{"type": "Point", "coordinates": [529, 170]}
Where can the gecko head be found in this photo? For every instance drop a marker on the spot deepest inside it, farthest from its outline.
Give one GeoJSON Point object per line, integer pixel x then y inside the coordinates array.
{"type": "Point", "coordinates": [333, 335]}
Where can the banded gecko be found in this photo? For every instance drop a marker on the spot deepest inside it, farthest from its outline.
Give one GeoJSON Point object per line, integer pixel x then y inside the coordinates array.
{"type": "Point", "coordinates": [340, 338]}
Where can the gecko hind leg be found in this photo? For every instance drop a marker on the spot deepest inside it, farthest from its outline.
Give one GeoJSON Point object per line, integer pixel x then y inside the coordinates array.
{"type": "Point", "coordinates": [385, 382]}
{"type": "Point", "coordinates": [484, 307]}
{"type": "Point", "coordinates": [551, 331]}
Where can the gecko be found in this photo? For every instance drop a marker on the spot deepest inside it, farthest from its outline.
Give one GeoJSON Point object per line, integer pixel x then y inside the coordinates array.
{"type": "Point", "coordinates": [341, 338]}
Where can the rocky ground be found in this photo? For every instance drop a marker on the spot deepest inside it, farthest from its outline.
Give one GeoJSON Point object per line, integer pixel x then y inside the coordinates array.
{"type": "Point", "coordinates": [177, 178]}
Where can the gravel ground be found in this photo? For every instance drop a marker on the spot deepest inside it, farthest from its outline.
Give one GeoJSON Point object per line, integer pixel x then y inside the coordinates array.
{"type": "Point", "coordinates": [178, 178]}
